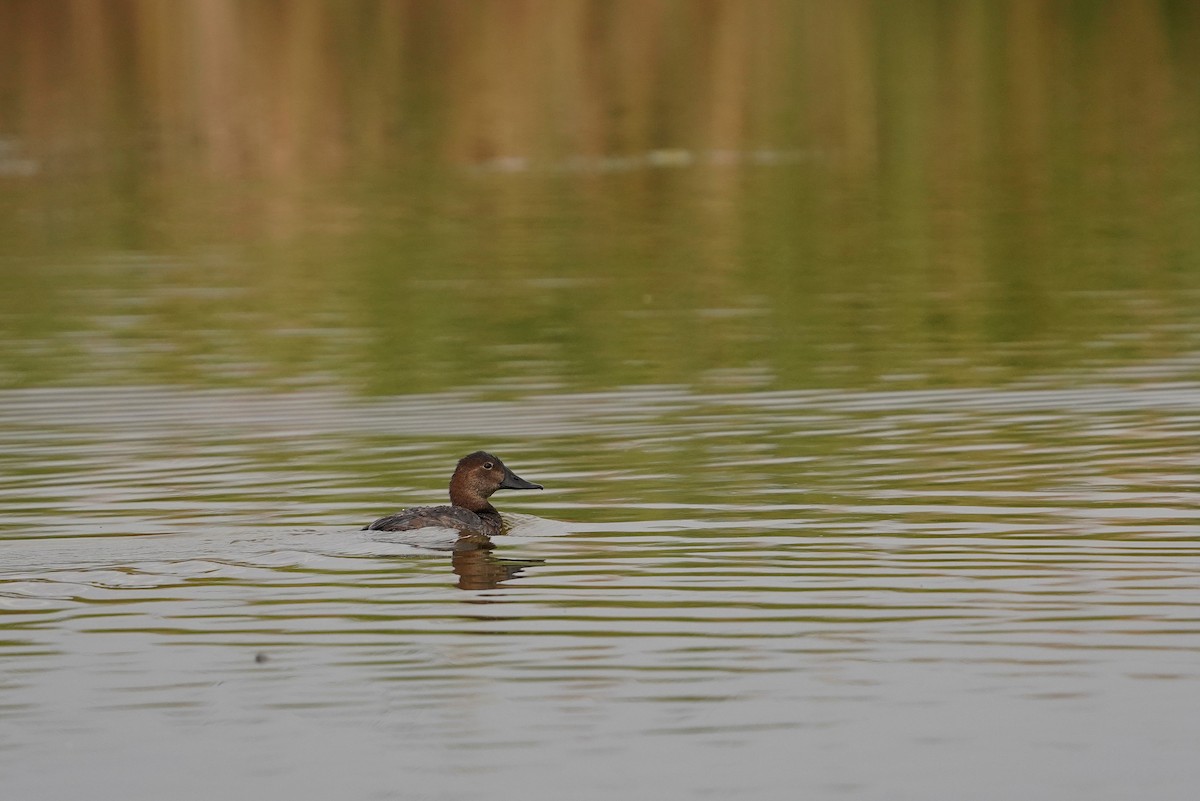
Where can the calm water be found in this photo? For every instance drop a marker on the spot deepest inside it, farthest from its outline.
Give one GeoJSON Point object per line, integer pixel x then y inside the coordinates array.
{"type": "Point", "coordinates": [858, 351]}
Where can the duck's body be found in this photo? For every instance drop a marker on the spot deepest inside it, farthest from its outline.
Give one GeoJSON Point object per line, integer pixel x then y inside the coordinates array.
{"type": "Point", "coordinates": [475, 478]}
{"type": "Point", "coordinates": [441, 517]}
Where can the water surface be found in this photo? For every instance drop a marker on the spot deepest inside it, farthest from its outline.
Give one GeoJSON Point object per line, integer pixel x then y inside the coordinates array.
{"type": "Point", "coordinates": [758, 588]}
{"type": "Point", "coordinates": [857, 347]}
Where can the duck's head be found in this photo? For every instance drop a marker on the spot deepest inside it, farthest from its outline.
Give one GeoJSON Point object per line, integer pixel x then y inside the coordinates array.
{"type": "Point", "coordinates": [477, 476]}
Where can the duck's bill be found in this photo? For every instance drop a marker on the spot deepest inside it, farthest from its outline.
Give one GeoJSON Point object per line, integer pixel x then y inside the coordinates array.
{"type": "Point", "coordinates": [513, 481]}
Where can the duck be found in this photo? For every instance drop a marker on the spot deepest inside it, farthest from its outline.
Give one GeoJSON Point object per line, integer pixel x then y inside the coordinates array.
{"type": "Point", "coordinates": [475, 478]}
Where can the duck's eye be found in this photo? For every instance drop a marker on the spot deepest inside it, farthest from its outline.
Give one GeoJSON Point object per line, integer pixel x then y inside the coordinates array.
{"type": "Point", "coordinates": [488, 465]}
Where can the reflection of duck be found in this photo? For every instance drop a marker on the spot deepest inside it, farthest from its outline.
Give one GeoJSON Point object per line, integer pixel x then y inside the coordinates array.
{"type": "Point", "coordinates": [475, 478]}
{"type": "Point", "coordinates": [479, 569]}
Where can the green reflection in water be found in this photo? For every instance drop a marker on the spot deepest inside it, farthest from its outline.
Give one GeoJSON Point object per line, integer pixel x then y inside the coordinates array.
{"type": "Point", "coordinates": [780, 196]}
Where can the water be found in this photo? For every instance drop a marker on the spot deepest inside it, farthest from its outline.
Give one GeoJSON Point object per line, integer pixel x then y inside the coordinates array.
{"type": "Point", "coordinates": [868, 417]}
{"type": "Point", "coordinates": [759, 589]}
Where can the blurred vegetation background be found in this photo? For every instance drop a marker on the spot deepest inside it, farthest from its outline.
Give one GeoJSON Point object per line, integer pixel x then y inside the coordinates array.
{"type": "Point", "coordinates": [522, 195]}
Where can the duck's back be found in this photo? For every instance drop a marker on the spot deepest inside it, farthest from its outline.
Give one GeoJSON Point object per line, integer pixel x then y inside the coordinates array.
{"type": "Point", "coordinates": [454, 517]}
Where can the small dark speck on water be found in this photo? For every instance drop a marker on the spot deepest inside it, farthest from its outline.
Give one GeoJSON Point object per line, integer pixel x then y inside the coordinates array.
{"type": "Point", "coordinates": [260, 658]}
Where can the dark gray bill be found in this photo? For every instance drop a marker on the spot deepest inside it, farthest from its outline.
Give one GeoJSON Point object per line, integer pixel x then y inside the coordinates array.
{"type": "Point", "coordinates": [513, 481]}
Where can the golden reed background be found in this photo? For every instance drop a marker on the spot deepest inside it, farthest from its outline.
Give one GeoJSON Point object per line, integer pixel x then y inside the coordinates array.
{"type": "Point", "coordinates": [277, 87]}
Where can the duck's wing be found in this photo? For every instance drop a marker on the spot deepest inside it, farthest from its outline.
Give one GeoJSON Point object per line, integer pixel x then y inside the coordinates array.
{"type": "Point", "coordinates": [428, 517]}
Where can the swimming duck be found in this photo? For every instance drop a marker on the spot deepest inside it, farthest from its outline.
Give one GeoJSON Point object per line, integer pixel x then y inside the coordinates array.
{"type": "Point", "coordinates": [475, 478]}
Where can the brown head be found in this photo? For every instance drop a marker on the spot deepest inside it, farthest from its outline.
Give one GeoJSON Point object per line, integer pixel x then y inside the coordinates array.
{"type": "Point", "coordinates": [478, 476]}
